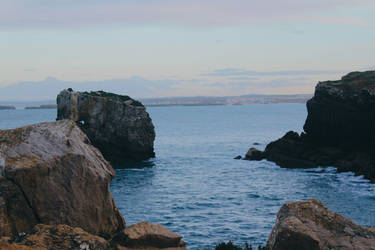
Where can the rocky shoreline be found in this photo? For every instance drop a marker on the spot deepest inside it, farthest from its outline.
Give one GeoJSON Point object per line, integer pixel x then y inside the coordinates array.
{"type": "Point", "coordinates": [338, 130]}
{"type": "Point", "coordinates": [54, 194]}
{"type": "Point", "coordinates": [55, 188]}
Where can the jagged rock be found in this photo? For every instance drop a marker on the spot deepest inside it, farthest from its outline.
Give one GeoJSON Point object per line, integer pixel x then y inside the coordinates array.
{"type": "Point", "coordinates": [342, 113]}
{"type": "Point", "coordinates": [52, 175]}
{"type": "Point", "coordinates": [254, 154]}
{"type": "Point", "coordinates": [238, 157]}
{"type": "Point", "coordinates": [309, 225]}
{"type": "Point", "coordinates": [118, 125]}
{"type": "Point", "coordinates": [46, 237]}
{"type": "Point", "coordinates": [146, 235]}
{"type": "Point", "coordinates": [339, 129]}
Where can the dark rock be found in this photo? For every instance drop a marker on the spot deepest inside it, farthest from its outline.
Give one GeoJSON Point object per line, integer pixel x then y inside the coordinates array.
{"type": "Point", "coordinates": [3, 107]}
{"type": "Point", "coordinates": [238, 157]}
{"type": "Point", "coordinates": [256, 143]}
{"type": "Point", "coordinates": [118, 125]}
{"type": "Point", "coordinates": [339, 129]}
{"type": "Point", "coordinates": [254, 154]}
{"type": "Point", "coordinates": [310, 225]}
{"type": "Point", "coordinates": [45, 181]}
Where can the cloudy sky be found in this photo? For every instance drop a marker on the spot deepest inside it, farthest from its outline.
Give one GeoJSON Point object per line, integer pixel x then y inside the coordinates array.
{"type": "Point", "coordinates": [185, 47]}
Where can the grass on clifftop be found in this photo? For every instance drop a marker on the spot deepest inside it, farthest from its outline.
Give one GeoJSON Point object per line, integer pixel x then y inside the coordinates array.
{"type": "Point", "coordinates": [122, 98]}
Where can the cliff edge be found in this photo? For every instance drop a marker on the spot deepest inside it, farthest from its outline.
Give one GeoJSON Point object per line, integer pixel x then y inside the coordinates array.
{"type": "Point", "coordinates": [339, 129]}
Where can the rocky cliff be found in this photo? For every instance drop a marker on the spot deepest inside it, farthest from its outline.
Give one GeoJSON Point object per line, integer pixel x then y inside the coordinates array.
{"type": "Point", "coordinates": [310, 225]}
{"type": "Point", "coordinates": [339, 129]}
{"type": "Point", "coordinates": [51, 174]}
{"type": "Point", "coordinates": [54, 194]}
{"type": "Point", "coordinates": [118, 125]}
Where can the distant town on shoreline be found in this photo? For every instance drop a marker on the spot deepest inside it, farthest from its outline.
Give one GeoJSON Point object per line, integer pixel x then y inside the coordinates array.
{"type": "Point", "coordinates": [179, 101]}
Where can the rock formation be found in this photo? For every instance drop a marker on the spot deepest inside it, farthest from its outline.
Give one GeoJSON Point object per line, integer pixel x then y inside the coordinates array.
{"type": "Point", "coordinates": [51, 174]}
{"type": "Point", "coordinates": [310, 225]}
{"type": "Point", "coordinates": [339, 129]}
{"type": "Point", "coordinates": [54, 194]}
{"type": "Point", "coordinates": [118, 125]}
{"type": "Point", "coordinates": [149, 235]}
{"type": "Point", "coordinates": [46, 237]}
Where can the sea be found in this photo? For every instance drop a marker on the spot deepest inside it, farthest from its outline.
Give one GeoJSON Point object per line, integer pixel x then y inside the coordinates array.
{"type": "Point", "coordinates": [194, 186]}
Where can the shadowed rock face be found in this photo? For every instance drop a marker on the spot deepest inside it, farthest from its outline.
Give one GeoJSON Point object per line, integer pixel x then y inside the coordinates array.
{"type": "Point", "coordinates": [118, 125]}
{"type": "Point", "coordinates": [339, 129]}
{"type": "Point", "coordinates": [342, 113]}
{"type": "Point", "coordinates": [310, 225]}
{"type": "Point", "coordinates": [51, 174]}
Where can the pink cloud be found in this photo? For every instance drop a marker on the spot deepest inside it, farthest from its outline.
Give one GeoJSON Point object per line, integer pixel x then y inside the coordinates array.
{"type": "Point", "coordinates": [68, 13]}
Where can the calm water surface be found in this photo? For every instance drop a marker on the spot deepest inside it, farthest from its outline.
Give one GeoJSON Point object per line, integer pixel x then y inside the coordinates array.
{"type": "Point", "coordinates": [195, 188]}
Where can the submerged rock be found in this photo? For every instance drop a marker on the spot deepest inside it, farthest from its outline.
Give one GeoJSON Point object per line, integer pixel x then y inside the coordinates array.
{"type": "Point", "coordinates": [338, 129]}
{"type": "Point", "coordinates": [52, 175]}
{"type": "Point", "coordinates": [118, 125]}
{"type": "Point", "coordinates": [310, 225]}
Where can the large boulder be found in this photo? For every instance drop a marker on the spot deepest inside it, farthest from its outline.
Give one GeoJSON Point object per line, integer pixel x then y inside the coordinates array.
{"type": "Point", "coordinates": [148, 235]}
{"type": "Point", "coordinates": [118, 125]}
{"type": "Point", "coordinates": [339, 129]}
{"type": "Point", "coordinates": [51, 174]}
{"type": "Point", "coordinates": [309, 225]}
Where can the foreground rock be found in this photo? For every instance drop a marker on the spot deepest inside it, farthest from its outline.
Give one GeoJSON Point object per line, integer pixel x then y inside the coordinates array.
{"type": "Point", "coordinates": [147, 235]}
{"type": "Point", "coordinates": [46, 237]}
{"type": "Point", "coordinates": [339, 129]}
{"type": "Point", "coordinates": [310, 225]}
{"type": "Point", "coordinates": [54, 194]}
{"type": "Point", "coordinates": [51, 174]}
{"type": "Point", "coordinates": [118, 125]}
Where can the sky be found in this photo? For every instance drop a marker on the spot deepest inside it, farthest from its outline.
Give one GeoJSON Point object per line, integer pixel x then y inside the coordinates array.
{"type": "Point", "coordinates": [183, 48]}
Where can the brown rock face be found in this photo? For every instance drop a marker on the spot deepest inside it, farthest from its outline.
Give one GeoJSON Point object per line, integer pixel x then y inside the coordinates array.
{"type": "Point", "coordinates": [46, 237]}
{"type": "Point", "coordinates": [145, 235]}
{"type": "Point", "coordinates": [51, 174]}
{"type": "Point", "coordinates": [118, 125]}
{"type": "Point", "coordinates": [309, 225]}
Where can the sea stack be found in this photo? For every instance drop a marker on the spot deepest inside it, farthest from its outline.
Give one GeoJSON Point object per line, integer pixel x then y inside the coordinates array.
{"type": "Point", "coordinates": [118, 125]}
{"type": "Point", "coordinates": [339, 129]}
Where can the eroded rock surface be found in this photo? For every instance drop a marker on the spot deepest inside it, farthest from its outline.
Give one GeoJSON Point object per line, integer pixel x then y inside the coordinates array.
{"type": "Point", "coordinates": [309, 225]}
{"type": "Point", "coordinates": [118, 125]}
{"type": "Point", "coordinates": [46, 237]}
{"type": "Point", "coordinates": [339, 129]}
{"type": "Point", "coordinates": [147, 235]}
{"type": "Point", "coordinates": [51, 174]}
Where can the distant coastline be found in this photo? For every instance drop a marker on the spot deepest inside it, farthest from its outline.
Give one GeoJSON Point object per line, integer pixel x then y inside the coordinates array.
{"type": "Point", "coordinates": [43, 106]}
{"type": "Point", "coordinates": [181, 101]}
{"type": "Point", "coordinates": [3, 107]}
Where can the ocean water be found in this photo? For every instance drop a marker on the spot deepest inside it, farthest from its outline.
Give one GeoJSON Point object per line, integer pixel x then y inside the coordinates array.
{"type": "Point", "coordinates": [196, 188]}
